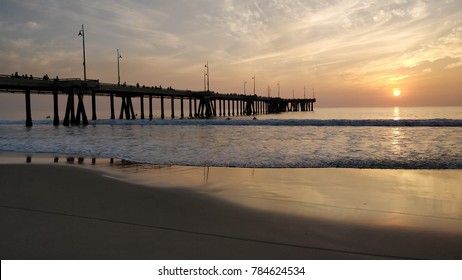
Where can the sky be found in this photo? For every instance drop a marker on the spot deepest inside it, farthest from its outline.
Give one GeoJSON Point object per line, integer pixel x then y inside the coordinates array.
{"type": "Point", "coordinates": [349, 53]}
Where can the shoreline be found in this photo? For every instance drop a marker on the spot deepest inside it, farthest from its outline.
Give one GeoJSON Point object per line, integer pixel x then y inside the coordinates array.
{"type": "Point", "coordinates": [132, 211]}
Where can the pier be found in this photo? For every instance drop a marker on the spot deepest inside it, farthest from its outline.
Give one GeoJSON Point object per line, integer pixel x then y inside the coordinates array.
{"type": "Point", "coordinates": [201, 104]}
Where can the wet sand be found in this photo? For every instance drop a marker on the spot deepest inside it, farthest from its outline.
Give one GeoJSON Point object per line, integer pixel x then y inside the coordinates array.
{"type": "Point", "coordinates": [61, 211]}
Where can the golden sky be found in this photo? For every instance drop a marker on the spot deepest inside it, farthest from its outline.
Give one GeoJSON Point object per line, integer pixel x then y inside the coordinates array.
{"type": "Point", "coordinates": [353, 53]}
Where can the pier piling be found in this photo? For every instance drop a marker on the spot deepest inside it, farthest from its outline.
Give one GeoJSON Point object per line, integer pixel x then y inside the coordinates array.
{"type": "Point", "coordinates": [162, 113]}
{"type": "Point", "coordinates": [28, 109]}
{"type": "Point", "coordinates": [150, 107]}
{"type": "Point", "coordinates": [55, 108]}
{"type": "Point", "coordinates": [81, 111]}
{"type": "Point", "coordinates": [142, 106]}
{"type": "Point", "coordinates": [182, 108]}
{"type": "Point", "coordinates": [122, 108]}
{"type": "Point", "coordinates": [69, 117]}
{"type": "Point", "coordinates": [112, 106]}
{"type": "Point", "coordinates": [173, 106]}
{"type": "Point", "coordinates": [93, 106]}
{"type": "Point", "coordinates": [132, 111]}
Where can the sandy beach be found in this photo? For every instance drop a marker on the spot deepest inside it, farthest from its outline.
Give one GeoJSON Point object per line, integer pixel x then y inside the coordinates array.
{"type": "Point", "coordinates": [65, 211]}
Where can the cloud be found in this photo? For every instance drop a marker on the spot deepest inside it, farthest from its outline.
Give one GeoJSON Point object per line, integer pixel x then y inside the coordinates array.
{"type": "Point", "coordinates": [362, 43]}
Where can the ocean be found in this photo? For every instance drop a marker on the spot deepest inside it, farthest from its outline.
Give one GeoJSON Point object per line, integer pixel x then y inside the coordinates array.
{"type": "Point", "coordinates": [388, 174]}
{"type": "Point", "coordinates": [372, 138]}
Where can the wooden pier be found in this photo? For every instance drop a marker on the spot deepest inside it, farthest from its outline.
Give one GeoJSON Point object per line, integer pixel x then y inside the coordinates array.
{"type": "Point", "coordinates": [202, 104]}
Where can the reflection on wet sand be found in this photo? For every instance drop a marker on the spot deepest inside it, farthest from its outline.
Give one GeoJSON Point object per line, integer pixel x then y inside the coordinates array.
{"type": "Point", "coordinates": [420, 199]}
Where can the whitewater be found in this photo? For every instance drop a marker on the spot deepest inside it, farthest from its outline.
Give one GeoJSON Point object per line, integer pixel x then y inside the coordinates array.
{"type": "Point", "coordinates": [377, 138]}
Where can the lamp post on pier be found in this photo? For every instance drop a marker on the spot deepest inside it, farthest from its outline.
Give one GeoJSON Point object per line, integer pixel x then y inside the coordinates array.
{"type": "Point", "coordinates": [118, 84]}
{"type": "Point", "coordinates": [205, 80]}
{"type": "Point", "coordinates": [80, 106]}
{"type": "Point", "coordinates": [253, 78]}
{"type": "Point", "coordinates": [118, 67]}
{"type": "Point", "coordinates": [245, 82]}
{"type": "Point", "coordinates": [279, 89]}
{"type": "Point", "coordinates": [82, 33]}
{"type": "Point", "coordinates": [208, 76]}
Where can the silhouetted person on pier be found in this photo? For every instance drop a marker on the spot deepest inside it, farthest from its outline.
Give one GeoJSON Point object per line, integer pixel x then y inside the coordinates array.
{"type": "Point", "coordinates": [137, 85]}
{"type": "Point", "coordinates": [46, 78]}
{"type": "Point", "coordinates": [16, 75]}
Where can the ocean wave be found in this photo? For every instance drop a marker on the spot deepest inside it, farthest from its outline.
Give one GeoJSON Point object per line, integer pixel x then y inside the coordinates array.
{"type": "Point", "coordinates": [248, 143]}
{"type": "Point", "coordinates": [269, 122]}
{"type": "Point", "coordinates": [364, 163]}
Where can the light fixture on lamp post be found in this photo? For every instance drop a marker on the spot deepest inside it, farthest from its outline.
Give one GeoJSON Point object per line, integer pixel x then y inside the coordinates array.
{"type": "Point", "coordinates": [82, 33]}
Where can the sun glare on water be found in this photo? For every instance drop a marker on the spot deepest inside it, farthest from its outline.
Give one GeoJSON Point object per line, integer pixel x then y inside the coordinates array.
{"type": "Point", "coordinates": [396, 92]}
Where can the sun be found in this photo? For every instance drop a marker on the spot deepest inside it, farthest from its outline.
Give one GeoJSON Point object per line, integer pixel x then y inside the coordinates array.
{"type": "Point", "coordinates": [396, 92]}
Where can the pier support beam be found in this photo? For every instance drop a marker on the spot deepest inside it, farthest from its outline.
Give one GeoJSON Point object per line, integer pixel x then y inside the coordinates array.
{"type": "Point", "coordinates": [224, 107]}
{"type": "Point", "coordinates": [81, 111]}
{"type": "Point", "coordinates": [122, 108]}
{"type": "Point", "coordinates": [219, 107]}
{"type": "Point", "coordinates": [69, 116]}
{"type": "Point", "coordinates": [206, 108]}
{"type": "Point", "coordinates": [182, 108]}
{"type": "Point", "coordinates": [190, 108]}
{"type": "Point", "coordinates": [229, 108]}
{"type": "Point", "coordinates": [249, 107]}
{"type": "Point", "coordinates": [233, 106]}
{"type": "Point", "coordinates": [28, 109]}
{"type": "Point", "coordinates": [162, 114]}
{"type": "Point", "coordinates": [127, 108]}
{"type": "Point", "coordinates": [55, 108]}
{"type": "Point", "coordinates": [112, 106]}
{"type": "Point", "coordinates": [93, 106]}
{"type": "Point", "coordinates": [130, 105]}
{"type": "Point", "coordinates": [173, 106]}
{"type": "Point", "coordinates": [142, 106]}
{"type": "Point", "coordinates": [195, 108]}
{"type": "Point", "coordinates": [150, 107]}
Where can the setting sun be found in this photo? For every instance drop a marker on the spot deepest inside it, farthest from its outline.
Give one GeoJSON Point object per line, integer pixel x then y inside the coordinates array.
{"type": "Point", "coordinates": [396, 92]}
